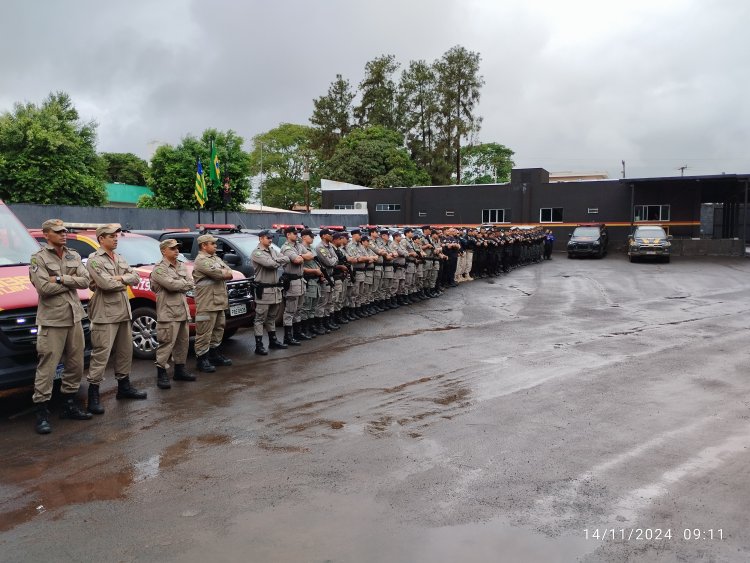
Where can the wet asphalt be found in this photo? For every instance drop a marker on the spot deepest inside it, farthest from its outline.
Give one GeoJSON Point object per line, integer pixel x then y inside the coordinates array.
{"type": "Point", "coordinates": [589, 410]}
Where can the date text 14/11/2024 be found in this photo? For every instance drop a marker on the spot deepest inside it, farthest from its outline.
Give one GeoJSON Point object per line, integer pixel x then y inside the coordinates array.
{"type": "Point", "coordinates": [647, 534]}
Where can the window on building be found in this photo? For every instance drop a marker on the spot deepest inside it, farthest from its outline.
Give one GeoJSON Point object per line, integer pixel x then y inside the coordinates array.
{"type": "Point", "coordinates": [652, 213]}
{"type": "Point", "coordinates": [551, 215]}
{"type": "Point", "coordinates": [593, 210]}
{"type": "Point", "coordinates": [450, 213]}
{"type": "Point", "coordinates": [344, 206]}
{"type": "Point", "coordinates": [422, 214]}
{"type": "Point", "coordinates": [495, 215]}
{"type": "Point", "coordinates": [388, 207]}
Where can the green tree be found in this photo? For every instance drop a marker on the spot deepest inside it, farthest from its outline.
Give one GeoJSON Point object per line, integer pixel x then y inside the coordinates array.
{"type": "Point", "coordinates": [125, 168]}
{"type": "Point", "coordinates": [172, 173]}
{"type": "Point", "coordinates": [378, 104]}
{"type": "Point", "coordinates": [459, 83]}
{"type": "Point", "coordinates": [418, 108]}
{"type": "Point", "coordinates": [332, 117]}
{"type": "Point", "coordinates": [487, 163]}
{"type": "Point", "coordinates": [48, 155]}
{"type": "Point", "coordinates": [374, 157]}
{"type": "Point", "coordinates": [286, 156]}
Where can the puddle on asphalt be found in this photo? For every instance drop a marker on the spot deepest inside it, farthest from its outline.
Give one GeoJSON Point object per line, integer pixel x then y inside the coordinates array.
{"type": "Point", "coordinates": [334, 527]}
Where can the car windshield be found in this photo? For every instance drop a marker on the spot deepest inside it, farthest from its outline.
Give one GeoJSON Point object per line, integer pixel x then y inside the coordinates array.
{"type": "Point", "coordinates": [651, 232]}
{"type": "Point", "coordinates": [245, 243]}
{"type": "Point", "coordinates": [586, 232]}
{"type": "Point", "coordinates": [139, 251]}
{"type": "Point", "coordinates": [16, 244]}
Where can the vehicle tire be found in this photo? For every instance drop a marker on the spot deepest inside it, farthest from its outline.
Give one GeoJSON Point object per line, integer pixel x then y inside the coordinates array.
{"type": "Point", "coordinates": [145, 340]}
{"type": "Point", "coordinates": [666, 259]}
{"type": "Point", "coordinates": [570, 256]}
{"type": "Point", "coordinates": [229, 333]}
{"type": "Point", "coordinates": [631, 258]}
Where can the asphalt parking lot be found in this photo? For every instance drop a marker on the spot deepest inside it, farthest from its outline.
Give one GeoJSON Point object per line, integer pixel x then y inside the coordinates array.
{"type": "Point", "coordinates": [589, 410]}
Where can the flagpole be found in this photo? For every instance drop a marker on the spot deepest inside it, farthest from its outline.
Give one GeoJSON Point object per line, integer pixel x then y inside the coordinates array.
{"type": "Point", "coordinates": [197, 160]}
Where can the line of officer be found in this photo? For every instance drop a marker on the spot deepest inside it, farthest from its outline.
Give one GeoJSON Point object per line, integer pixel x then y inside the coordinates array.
{"type": "Point", "coordinates": [210, 275]}
{"type": "Point", "coordinates": [56, 273]}
{"type": "Point", "coordinates": [171, 282]}
{"type": "Point", "coordinates": [110, 315]}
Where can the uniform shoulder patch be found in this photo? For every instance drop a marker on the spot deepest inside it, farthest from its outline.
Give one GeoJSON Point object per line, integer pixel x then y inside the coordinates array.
{"type": "Point", "coordinates": [258, 253]}
{"type": "Point", "coordinates": [323, 252]}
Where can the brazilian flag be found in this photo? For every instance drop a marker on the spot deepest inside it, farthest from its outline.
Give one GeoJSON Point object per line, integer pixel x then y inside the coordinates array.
{"type": "Point", "coordinates": [201, 191]}
{"type": "Point", "coordinates": [215, 173]}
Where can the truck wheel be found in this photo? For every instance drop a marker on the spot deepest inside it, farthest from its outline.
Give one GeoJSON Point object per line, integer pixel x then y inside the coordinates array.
{"type": "Point", "coordinates": [666, 259]}
{"type": "Point", "coordinates": [145, 341]}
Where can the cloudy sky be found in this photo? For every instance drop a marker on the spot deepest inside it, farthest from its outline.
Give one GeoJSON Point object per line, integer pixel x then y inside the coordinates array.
{"type": "Point", "coordinates": [577, 85]}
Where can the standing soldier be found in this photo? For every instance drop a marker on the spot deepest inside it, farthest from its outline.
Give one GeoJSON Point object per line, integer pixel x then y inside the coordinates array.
{"type": "Point", "coordinates": [109, 311]}
{"type": "Point", "coordinates": [57, 272]}
{"type": "Point", "coordinates": [210, 275]}
{"type": "Point", "coordinates": [399, 265]}
{"type": "Point", "coordinates": [314, 279]}
{"type": "Point", "coordinates": [170, 281]}
{"type": "Point", "coordinates": [383, 248]}
{"type": "Point", "coordinates": [268, 297]}
{"type": "Point", "coordinates": [294, 293]}
{"type": "Point", "coordinates": [411, 265]}
{"type": "Point", "coordinates": [367, 293]}
{"type": "Point", "coordinates": [325, 253]}
{"type": "Point", "coordinates": [377, 278]}
{"type": "Point", "coordinates": [357, 258]}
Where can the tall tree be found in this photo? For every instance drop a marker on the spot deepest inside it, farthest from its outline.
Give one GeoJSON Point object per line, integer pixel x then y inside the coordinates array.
{"type": "Point", "coordinates": [172, 172]}
{"type": "Point", "coordinates": [378, 104]}
{"type": "Point", "coordinates": [374, 157]}
{"type": "Point", "coordinates": [125, 168]}
{"type": "Point", "coordinates": [48, 155]}
{"type": "Point", "coordinates": [418, 108]}
{"type": "Point", "coordinates": [286, 155]}
{"type": "Point", "coordinates": [332, 116]}
{"type": "Point", "coordinates": [486, 163]}
{"type": "Point", "coordinates": [459, 83]}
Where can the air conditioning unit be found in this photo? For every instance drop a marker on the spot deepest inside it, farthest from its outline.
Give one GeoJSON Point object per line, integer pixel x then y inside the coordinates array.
{"type": "Point", "coordinates": [360, 205]}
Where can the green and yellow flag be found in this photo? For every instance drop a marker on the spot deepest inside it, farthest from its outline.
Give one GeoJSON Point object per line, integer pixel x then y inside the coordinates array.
{"type": "Point", "coordinates": [201, 191]}
{"type": "Point", "coordinates": [215, 173]}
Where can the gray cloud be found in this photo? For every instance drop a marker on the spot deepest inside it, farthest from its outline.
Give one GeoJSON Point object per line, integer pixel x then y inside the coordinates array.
{"type": "Point", "coordinates": [569, 86]}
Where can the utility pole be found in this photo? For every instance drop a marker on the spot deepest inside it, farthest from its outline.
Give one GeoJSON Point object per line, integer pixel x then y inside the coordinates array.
{"type": "Point", "coordinates": [306, 178]}
{"type": "Point", "coordinates": [261, 177]}
{"type": "Point", "coordinates": [623, 168]}
{"type": "Point", "coordinates": [682, 170]}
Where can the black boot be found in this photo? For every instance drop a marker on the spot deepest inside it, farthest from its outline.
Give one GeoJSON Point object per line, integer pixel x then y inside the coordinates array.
{"type": "Point", "coordinates": [259, 348]}
{"type": "Point", "coordinates": [94, 406]}
{"type": "Point", "coordinates": [331, 324]}
{"type": "Point", "coordinates": [72, 410]}
{"type": "Point", "coordinates": [202, 364]}
{"type": "Point", "coordinates": [309, 326]}
{"type": "Point", "coordinates": [341, 316]}
{"type": "Point", "coordinates": [217, 358]}
{"type": "Point", "coordinates": [289, 338]}
{"type": "Point", "coordinates": [126, 391]}
{"type": "Point", "coordinates": [162, 379]}
{"type": "Point", "coordinates": [274, 343]}
{"type": "Point", "coordinates": [42, 418]}
{"type": "Point", "coordinates": [320, 328]}
{"type": "Point", "coordinates": [180, 374]}
{"type": "Point", "coordinates": [299, 332]}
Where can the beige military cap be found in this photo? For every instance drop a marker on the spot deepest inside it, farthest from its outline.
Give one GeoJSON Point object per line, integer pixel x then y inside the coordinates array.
{"type": "Point", "coordinates": [206, 238]}
{"type": "Point", "coordinates": [56, 225]}
{"type": "Point", "coordinates": [108, 229]}
{"type": "Point", "coordinates": [168, 243]}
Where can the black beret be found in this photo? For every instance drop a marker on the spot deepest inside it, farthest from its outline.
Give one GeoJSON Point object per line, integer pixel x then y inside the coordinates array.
{"type": "Point", "coordinates": [290, 230]}
{"type": "Point", "coordinates": [385, 232]}
{"type": "Point", "coordinates": [365, 238]}
{"type": "Point", "coordinates": [408, 230]}
{"type": "Point", "coordinates": [425, 227]}
{"type": "Point", "coordinates": [339, 235]}
{"type": "Point", "coordinates": [356, 232]}
{"type": "Point", "coordinates": [264, 233]}
{"type": "Point", "coordinates": [307, 232]}
{"type": "Point", "coordinates": [325, 232]}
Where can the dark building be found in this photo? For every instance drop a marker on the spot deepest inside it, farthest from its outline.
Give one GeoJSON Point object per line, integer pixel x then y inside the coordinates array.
{"type": "Point", "coordinates": [688, 207]}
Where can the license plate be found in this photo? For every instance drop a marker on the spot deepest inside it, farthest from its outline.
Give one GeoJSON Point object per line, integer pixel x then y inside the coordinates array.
{"type": "Point", "coordinates": [235, 310]}
{"type": "Point", "coordinates": [650, 252]}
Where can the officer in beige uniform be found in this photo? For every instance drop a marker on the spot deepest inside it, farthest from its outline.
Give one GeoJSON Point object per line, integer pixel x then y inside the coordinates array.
{"type": "Point", "coordinates": [210, 275]}
{"type": "Point", "coordinates": [268, 297]}
{"type": "Point", "coordinates": [109, 311]}
{"type": "Point", "coordinates": [57, 272]}
{"type": "Point", "coordinates": [170, 281]}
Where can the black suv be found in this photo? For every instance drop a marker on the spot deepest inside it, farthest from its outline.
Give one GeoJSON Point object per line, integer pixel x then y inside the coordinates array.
{"type": "Point", "coordinates": [234, 246]}
{"type": "Point", "coordinates": [588, 239]}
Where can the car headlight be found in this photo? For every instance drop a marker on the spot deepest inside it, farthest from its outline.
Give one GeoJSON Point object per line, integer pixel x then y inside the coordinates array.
{"type": "Point", "coordinates": [596, 243]}
{"type": "Point", "coordinates": [667, 244]}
